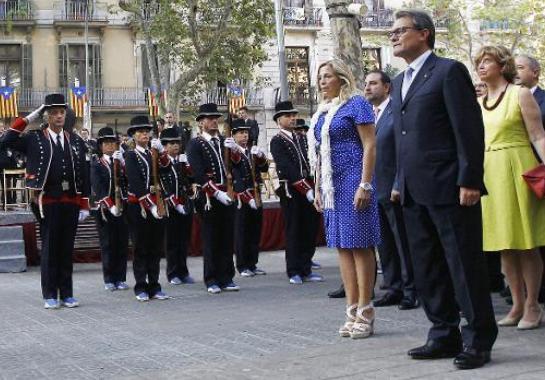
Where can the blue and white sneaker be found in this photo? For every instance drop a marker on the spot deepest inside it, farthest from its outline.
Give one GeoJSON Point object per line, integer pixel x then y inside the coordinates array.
{"type": "Point", "coordinates": [296, 280]}
{"type": "Point", "coordinates": [160, 296]}
{"type": "Point", "coordinates": [315, 265]}
{"type": "Point", "coordinates": [214, 289]}
{"type": "Point", "coordinates": [247, 273]}
{"type": "Point", "coordinates": [176, 281]}
{"type": "Point", "coordinates": [231, 287]}
{"type": "Point", "coordinates": [188, 280]}
{"type": "Point", "coordinates": [313, 277]}
{"type": "Point", "coordinates": [70, 302]}
{"type": "Point", "coordinates": [142, 297]}
{"type": "Point", "coordinates": [121, 285]}
{"type": "Point", "coordinates": [51, 303]}
{"type": "Point", "coordinates": [110, 286]}
{"type": "Point", "coordinates": [259, 272]}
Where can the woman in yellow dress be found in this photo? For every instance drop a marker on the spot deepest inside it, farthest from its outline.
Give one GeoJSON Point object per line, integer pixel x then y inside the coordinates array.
{"type": "Point", "coordinates": [513, 218]}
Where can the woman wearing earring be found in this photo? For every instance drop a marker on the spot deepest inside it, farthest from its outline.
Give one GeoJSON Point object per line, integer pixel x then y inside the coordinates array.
{"type": "Point", "coordinates": [513, 218]}
{"type": "Point", "coordinates": [342, 149]}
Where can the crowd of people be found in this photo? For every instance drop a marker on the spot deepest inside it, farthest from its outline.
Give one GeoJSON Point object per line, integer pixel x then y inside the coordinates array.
{"type": "Point", "coordinates": [426, 167]}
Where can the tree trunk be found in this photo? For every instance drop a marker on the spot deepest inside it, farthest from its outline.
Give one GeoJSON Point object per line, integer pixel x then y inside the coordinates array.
{"type": "Point", "coordinates": [346, 34]}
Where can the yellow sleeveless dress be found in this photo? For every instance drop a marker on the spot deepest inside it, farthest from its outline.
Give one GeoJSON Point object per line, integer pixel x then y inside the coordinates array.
{"type": "Point", "coordinates": [513, 218]}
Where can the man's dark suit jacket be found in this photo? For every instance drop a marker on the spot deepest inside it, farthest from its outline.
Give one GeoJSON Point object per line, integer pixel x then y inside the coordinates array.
{"type": "Point", "coordinates": [254, 131]}
{"type": "Point", "coordinates": [385, 167]}
{"type": "Point", "coordinates": [439, 133]}
{"type": "Point", "coordinates": [539, 95]}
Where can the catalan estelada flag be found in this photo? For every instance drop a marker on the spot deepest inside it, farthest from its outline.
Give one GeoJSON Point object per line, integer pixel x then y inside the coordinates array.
{"type": "Point", "coordinates": [153, 102]}
{"type": "Point", "coordinates": [78, 98]}
{"type": "Point", "coordinates": [236, 99]}
{"type": "Point", "coordinates": [8, 102]}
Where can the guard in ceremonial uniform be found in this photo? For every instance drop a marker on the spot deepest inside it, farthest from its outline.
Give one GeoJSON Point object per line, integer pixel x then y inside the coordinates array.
{"type": "Point", "coordinates": [57, 176]}
{"type": "Point", "coordinates": [177, 185]}
{"type": "Point", "coordinates": [111, 223]}
{"type": "Point", "coordinates": [296, 194]}
{"type": "Point", "coordinates": [206, 154]}
{"type": "Point", "coordinates": [145, 222]}
{"type": "Point", "coordinates": [248, 163]}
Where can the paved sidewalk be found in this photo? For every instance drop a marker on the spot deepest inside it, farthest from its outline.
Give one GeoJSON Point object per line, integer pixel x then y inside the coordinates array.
{"type": "Point", "coordinates": [269, 330]}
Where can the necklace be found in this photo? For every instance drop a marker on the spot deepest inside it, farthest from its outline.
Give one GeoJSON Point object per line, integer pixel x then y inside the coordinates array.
{"type": "Point", "coordinates": [498, 100]}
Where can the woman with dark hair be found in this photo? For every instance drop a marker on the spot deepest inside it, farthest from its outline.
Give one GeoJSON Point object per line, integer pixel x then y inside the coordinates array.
{"type": "Point", "coordinates": [342, 149]}
{"type": "Point", "coordinates": [513, 218]}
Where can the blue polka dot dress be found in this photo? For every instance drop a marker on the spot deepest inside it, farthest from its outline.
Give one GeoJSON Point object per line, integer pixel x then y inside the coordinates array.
{"type": "Point", "coordinates": [345, 226]}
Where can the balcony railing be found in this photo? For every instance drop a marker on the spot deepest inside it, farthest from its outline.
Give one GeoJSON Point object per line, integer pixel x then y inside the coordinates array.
{"type": "Point", "coordinates": [113, 97]}
{"type": "Point", "coordinates": [218, 95]}
{"type": "Point", "coordinates": [304, 97]}
{"type": "Point", "coordinates": [303, 16]}
{"type": "Point", "coordinates": [77, 10]}
{"type": "Point", "coordinates": [13, 10]}
{"type": "Point", "coordinates": [499, 25]}
{"type": "Point", "coordinates": [384, 19]}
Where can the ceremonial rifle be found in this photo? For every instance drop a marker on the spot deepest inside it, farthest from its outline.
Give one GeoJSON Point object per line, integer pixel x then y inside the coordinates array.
{"type": "Point", "coordinates": [227, 151]}
{"type": "Point", "coordinates": [157, 190]}
{"type": "Point", "coordinates": [117, 188]}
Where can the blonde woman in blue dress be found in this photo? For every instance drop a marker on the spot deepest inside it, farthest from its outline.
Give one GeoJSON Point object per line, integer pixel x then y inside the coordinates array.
{"type": "Point", "coordinates": [342, 148]}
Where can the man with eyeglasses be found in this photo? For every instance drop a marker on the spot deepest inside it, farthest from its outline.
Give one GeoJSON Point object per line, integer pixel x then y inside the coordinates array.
{"type": "Point", "coordinates": [440, 149]}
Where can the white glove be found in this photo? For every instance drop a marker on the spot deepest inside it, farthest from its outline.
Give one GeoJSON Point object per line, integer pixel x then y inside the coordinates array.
{"type": "Point", "coordinates": [223, 197]}
{"type": "Point", "coordinates": [118, 155]}
{"type": "Point", "coordinates": [35, 114]}
{"type": "Point", "coordinates": [181, 209]}
{"type": "Point", "coordinates": [310, 196]}
{"type": "Point", "coordinates": [83, 214]}
{"type": "Point", "coordinates": [155, 212]}
{"type": "Point", "coordinates": [156, 144]}
{"type": "Point", "coordinates": [114, 211]}
{"type": "Point", "coordinates": [257, 151]}
{"type": "Point", "coordinates": [231, 144]}
{"type": "Point", "coordinates": [252, 204]}
{"type": "Point", "coordinates": [182, 158]}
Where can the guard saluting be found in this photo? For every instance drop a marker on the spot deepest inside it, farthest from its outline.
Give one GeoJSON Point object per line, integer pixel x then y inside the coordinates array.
{"type": "Point", "coordinates": [296, 196]}
{"type": "Point", "coordinates": [145, 222]}
{"type": "Point", "coordinates": [177, 185]}
{"type": "Point", "coordinates": [57, 174]}
{"type": "Point", "coordinates": [206, 156]}
{"type": "Point", "coordinates": [109, 184]}
{"type": "Point", "coordinates": [247, 167]}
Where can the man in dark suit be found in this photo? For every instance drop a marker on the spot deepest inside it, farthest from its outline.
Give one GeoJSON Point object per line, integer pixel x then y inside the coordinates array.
{"type": "Point", "coordinates": [397, 269]}
{"type": "Point", "coordinates": [528, 70]}
{"type": "Point", "coordinates": [254, 127]}
{"type": "Point", "coordinates": [440, 151]}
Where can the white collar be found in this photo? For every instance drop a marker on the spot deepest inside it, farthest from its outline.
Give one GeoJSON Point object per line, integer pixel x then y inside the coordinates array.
{"type": "Point", "coordinates": [419, 62]}
{"type": "Point", "coordinates": [54, 136]}
{"type": "Point", "coordinates": [287, 133]}
{"type": "Point", "coordinates": [533, 89]}
{"type": "Point", "coordinates": [107, 158]}
{"type": "Point", "coordinates": [140, 149]}
{"type": "Point", "coordinates": [207, 136]}
{"type": "Point", "coordinates": [382, 106]}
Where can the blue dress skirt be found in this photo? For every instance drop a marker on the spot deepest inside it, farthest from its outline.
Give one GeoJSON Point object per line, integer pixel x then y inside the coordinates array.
{"type": "Point", "coordinates": [345, 226]}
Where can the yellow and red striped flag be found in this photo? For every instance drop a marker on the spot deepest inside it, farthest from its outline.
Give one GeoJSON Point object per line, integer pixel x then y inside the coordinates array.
{"type": "Point", "coordinates": [78, 99]}
{"type": "Point", "coordinates": [236, 101]}
{"type": "Point", "coordinates": [153, 102]}
{"type": "Point", "coordinates": [8, 102]}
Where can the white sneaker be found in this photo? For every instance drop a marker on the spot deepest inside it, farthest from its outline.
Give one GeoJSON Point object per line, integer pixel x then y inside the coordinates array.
{"type": "Point", "coordinates": [247, 273]}
{"type": "Point", "coordinates": [214, 289]}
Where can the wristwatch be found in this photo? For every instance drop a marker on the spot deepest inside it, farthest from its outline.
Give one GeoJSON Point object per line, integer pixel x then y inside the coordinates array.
{"type": "Point", "coordinates": [366, 186]}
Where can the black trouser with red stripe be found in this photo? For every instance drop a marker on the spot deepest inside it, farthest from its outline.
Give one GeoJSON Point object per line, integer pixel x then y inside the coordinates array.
{"type": "Point", "coordinates": [178, 237]}
{"type": "Point", "coordinates": [248, 224]}
{"type": "Point", "coordinates": [58, 232]}
{"type": "Point", "coordinates": [148, 238]}
{"type": "Point", "coordinates": [113, 234]}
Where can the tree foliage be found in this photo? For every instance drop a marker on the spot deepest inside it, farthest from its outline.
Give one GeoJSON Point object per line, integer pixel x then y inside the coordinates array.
{"type": "Point", "coordinates": [202, 41]}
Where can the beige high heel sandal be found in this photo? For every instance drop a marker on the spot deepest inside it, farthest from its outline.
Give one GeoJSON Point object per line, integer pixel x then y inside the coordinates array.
{"type": "Point", "coordinates": [363, 327]}
{"type": "Point", "coordinates": [346, 329]}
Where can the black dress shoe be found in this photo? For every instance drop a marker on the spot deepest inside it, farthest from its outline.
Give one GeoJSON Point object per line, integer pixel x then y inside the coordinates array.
{"type": "Point", "coordinates": [408, 303]}
{"type": "Point", "coordinates": [435, 350]}
{"type": "Point", "coordinates": [388, 299]}
{"type": "Point", "coordinates": [471, 358]}
{"type": "Point", "coordinates": [338, 293]}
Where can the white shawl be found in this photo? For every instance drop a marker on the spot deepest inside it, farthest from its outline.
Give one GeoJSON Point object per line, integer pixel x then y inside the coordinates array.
{"type": "Point", "coordinates": [326, 172]}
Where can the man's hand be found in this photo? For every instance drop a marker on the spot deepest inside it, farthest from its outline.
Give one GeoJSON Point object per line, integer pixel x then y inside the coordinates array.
{"type": "Point", "coordinates": [118, 155]}
{"type": "Point", "coordinates": [469, 197]}
{"type": "Point", "coordinates": [83, 214]}
{"type": "Point", "coordinates": [395, 196]}
{"type": "Point", "coordinates": [223, 197]}
{"type": "Point", "coordinates": [310, 196]}
{"type": "Point", "coordinates": [38, 112]}
{"type": "Point", "coordinates": [156, 144]}
{"type": "Point", "coordinates": [252, 204]}
{"type": "Point", "coordinates": [257, 151]}
{"type": "Point", "coordinates": [155, 212]}
{"type": "Point", "coordinates": [182, 158]}
{"type": "Point", "coordinates": [114, 211]}
{"type": "Point", "coordinates": [181, 209]}
{"type": "Point", "coordinates": [231, 144]}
